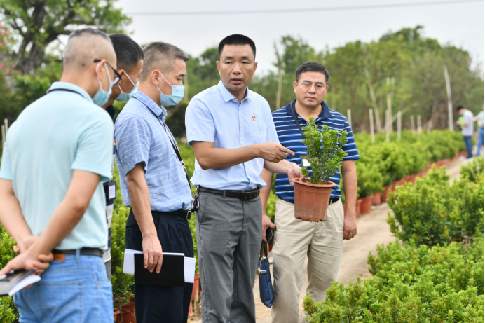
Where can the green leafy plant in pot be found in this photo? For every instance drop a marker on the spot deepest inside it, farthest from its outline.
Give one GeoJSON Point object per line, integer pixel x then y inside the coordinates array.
{"type": "Point", "coordinates": [324, 157]}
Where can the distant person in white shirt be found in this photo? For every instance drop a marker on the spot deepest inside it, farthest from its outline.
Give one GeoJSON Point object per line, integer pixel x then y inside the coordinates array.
{"type": "Point", "coordinates": [479, 120]}
{"type": "Point", "coordinates": [465, 122]}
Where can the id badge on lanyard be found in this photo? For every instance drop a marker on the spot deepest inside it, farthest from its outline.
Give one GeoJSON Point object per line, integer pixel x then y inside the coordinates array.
{"type": "Point", "coordinates": [110, 192]}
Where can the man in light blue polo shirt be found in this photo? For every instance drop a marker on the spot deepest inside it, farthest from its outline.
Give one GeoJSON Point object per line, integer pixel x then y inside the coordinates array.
{"type": "Point", "coordinates": [57, 153]}
{"type": "Point", "coordinates": [154, 183]}
{"type": "Point", "coordinates": [233, 136]}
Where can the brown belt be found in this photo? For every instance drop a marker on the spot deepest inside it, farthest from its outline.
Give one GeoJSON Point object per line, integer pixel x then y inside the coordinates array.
{"type": "Point", "coordinates": [60, 254]}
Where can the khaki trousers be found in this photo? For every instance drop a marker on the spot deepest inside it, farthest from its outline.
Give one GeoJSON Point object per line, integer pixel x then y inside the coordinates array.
{"type": "Point", "coordinates": [295, 242]}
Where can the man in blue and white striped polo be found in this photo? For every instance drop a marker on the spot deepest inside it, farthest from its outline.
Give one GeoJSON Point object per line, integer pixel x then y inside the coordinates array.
{"type": "Point", "coordinates": [295, 239]}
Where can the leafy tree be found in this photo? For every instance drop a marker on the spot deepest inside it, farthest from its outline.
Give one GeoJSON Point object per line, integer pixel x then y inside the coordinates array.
{"type": "Point", "coordinates": [37, 23]}
{"type": "Point", "coordinates": [202, 71]}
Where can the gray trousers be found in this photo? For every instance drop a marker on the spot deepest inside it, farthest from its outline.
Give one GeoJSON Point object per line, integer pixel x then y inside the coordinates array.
{"type": "Point", "coordinates": [229, 240]}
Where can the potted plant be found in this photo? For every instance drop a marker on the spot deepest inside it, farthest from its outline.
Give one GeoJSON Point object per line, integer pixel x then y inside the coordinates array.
{"type": "Point", "coordinates": [370, 183]}
{"type": "Point", "coordinates": [323, 159]}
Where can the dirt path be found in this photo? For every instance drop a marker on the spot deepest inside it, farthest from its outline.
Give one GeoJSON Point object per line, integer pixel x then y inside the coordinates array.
{"type": "Point", "coordinates": [373, 230]}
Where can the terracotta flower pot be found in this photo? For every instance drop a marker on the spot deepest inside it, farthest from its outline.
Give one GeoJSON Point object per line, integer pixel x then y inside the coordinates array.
{"type": "Point", "coordinates": [441, 163]}
{"type": "Point", "coordinates": [377, 198]}
{"type": "Point", "coordinates": [311, 200]}
{"type": "Point", "coordinates": [366, 205]}
{"type": "Point", "coordinates": [357, 207]}
{"type": "Point", "coordinates": [127, 313]}
{"type": "Point", "coordinates": [385, 193]}
{"type": "Point", "coordinates": [194, 306]}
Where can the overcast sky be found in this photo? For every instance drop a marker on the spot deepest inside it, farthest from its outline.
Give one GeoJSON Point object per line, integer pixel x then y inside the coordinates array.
{"type": "Point", "coordinates": [460, 23]}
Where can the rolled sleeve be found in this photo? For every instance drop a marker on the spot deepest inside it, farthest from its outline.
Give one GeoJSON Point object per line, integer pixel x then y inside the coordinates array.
{"type": "Point", "coordinates": [95, 149]}
{"type": "Point", "coordinates": [132, 137]}
{"type": "Point", "coordinates": [350, 147]}
{"type": "Point", "coordinates": [199, 123]}
{"type": "Point", "coordinates": [5, 167]}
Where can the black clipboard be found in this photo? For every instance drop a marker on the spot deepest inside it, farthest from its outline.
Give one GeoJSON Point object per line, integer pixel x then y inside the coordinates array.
{"type": "Point", "coordinates": [171, 273]}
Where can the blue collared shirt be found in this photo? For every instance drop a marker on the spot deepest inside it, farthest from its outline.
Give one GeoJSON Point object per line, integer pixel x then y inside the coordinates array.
{"type": "Point", "coordinates": [291, 137]}
{"type": "Point", "coordinates": [215, 115]}
{"type": "Point", "coordinates": [142, 137]}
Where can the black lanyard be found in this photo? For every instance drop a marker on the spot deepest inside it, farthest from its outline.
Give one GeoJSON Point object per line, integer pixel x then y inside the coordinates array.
{"type": "Point", "coordinates": [292, 110]}
{"type": "Point", "coordinates": [173, 143]}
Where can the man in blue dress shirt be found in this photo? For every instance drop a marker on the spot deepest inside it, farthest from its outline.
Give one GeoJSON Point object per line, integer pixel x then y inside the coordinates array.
{"type": "Point", "coordinates": [154, 183]}
{"type": "Point", "coordinates": [233, 137]}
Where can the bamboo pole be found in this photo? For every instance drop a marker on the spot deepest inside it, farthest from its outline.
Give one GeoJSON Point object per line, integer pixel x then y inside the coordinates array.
{"type": "Point", "coordinates": [349, 117]}
{"type": "Point", "coordinates": [420, 130]}
{"type": "Point", "coordinates": [388, 117]}
{"type": "Point", "coordinates": [378, 121]}
{"type": "Point", "coordinates": [412, 124]}
{"type": "Point", "coordinates": [372, 130]}
{"type": "Point", "coordinates": [448, 94]}
{"type": "Point", "coordinates": [399, 125]}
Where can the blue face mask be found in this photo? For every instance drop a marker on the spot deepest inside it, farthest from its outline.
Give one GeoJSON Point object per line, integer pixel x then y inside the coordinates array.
{"type": "Point", "coordinates": [101, 97]}
{"type": "Point", "coordinates": [124, 97]}
{"type": "Point", "coordinates": [173, 99]}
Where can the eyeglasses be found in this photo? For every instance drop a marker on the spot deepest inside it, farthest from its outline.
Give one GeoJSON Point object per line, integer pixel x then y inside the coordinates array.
{"type": "Point", "coordinates": [115, 72]}
{"type": "Point", "coordinates": [318, 85]}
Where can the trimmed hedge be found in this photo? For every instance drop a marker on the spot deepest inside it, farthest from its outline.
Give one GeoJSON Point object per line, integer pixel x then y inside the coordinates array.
{"type": "Point", "coordinates": [430, 277]}
{"type": "Point", "coordinates": [437, 284]}
{"type": "Point", "coordinates": [435, 211]}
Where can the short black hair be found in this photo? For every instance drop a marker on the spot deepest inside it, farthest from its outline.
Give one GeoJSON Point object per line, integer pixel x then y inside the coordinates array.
{"type": "Point", "coordinates": [128, 52]}
{"type": "Point", "coordinates": [460, 107]}
{"type": "Point", "coordinates": [161, 55]}
{"type": "Point", "coordinates": [312, 67]}
{"type": "Point", "coordinates": [237, 39]}
{"type": "Point", "coordinates": [88, 31]}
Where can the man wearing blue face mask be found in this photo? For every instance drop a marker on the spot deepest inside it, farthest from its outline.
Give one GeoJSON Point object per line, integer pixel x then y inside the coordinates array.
{"type": "Point", "coordinates": [154, 182]}
{"type": "Point", "coordinates": [129, 59]}
{"type": "Point", "coordinates": [57, 154]}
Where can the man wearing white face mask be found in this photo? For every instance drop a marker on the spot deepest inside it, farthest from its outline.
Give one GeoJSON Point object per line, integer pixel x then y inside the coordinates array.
{"type": "Point", "coordinates": [57, 153]}
{"type": "Point", "coordinates": [154, 182]}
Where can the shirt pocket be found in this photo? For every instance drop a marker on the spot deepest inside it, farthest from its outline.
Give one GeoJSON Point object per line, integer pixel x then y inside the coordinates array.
{"type": "Point", "coordinates": [253, 128]}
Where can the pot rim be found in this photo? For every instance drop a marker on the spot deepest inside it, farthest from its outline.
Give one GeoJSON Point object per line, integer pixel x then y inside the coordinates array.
{"type": "Point", "coordinates": [305, 182]}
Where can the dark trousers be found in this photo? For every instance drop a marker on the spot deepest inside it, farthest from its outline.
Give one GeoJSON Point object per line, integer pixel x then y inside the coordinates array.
{"type": "Point", "coordinates": [469, 146]}
{"type": "Point", "coordinates": [162, 304]}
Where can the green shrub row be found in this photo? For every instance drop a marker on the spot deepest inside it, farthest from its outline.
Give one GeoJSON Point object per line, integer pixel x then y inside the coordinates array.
{"type": "Point", "coordinates": [383, 162]}
{"type": "Point", "coordinates": [435, 211]}
{"type": "Point", "coordinates": [410, 284]}
{"type": "Point", "coordinates": [430, 277]}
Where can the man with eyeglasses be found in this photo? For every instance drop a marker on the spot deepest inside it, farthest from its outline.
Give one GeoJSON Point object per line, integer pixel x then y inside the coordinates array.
{"type": "Point", "coordinates": [296, 241]}
{"type": "Point", "coordinates": [57, 154]}
{"type": "Point", "coordinates": [129, 59]}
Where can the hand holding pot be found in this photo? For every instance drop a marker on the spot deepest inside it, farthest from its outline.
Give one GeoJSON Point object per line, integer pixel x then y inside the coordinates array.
{"type": "Point", "coordinates": [294, 172]}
